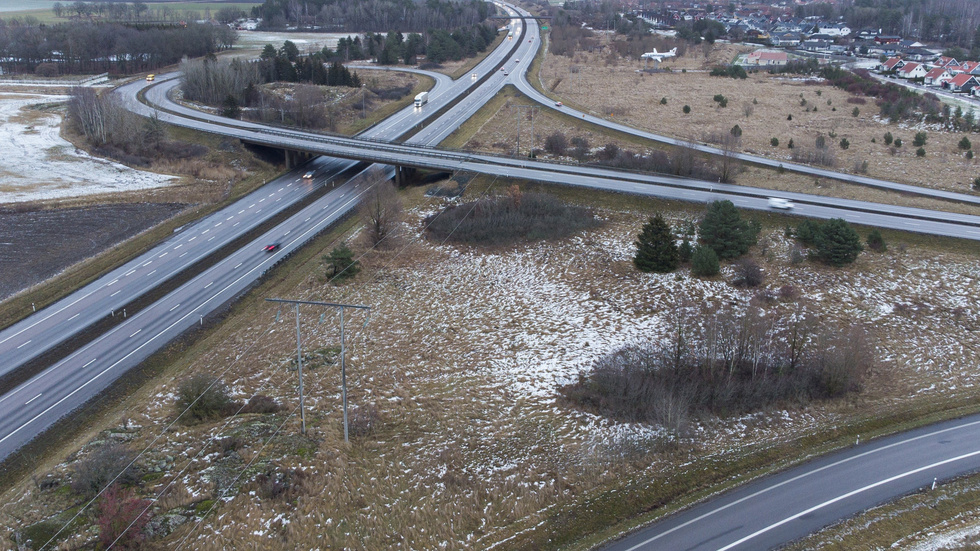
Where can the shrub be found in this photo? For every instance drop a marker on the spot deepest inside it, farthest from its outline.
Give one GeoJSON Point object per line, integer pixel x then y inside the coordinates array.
{"type": "Point", "coordinates": [663, 100]}
{"type": "Point", "coordinates": [201, 398]}
{"type": "Point", "coordinates": [919, 140]}
{"type": "Point", "coordinates": [504, 220]}
{"type": "Point", "coordinates": [704, 262]}
{"type": "Point", "coordinates": [723, 230]}
{"type": "Point", "coordinates": [655, 248]}
{"type": "Point", "coordinates": [789, 117]}
{"type": "Point", "coordinates": [965, 144]}
{"type": "Point", "coordinates": [844, 144]}
{"type": "Point", "coordinates": [821, 142]}
{"type": "Point", "coordinates": [976, 183]}
{"type": "Point", "coordinates": [969, 154]}
{"type": "Point", "coordinates": [687, 109]}
{"type": "Point", "coordinates": [808, 231]}
{"type": "Point", "coordinates": [556, 143]}
{"type": "Point", "coordinates": [260, 403]}
{"type": "Point", "coordinates": [282, 484]}
{"type": "Point", "coordinates": [736, 131]}
{"type": "Point", "coordinates": [774, 142]}
{"type": "Point", "coordinates": [876, 242]}
{"type": "Point", "coordinates": [790, 144]}
{"type": "Point", "coordinates": [110, 462]}
{"type": "Point", "coordinates": [898, 142]}
{"type": "Point", "coordinates": [855, 112]}
{"type": "Point", "coordinates": [122, 517]}
{"type": "Point", "coordinates": [748, 273]}
{"type": "Point", "coordinates": [888, 138]}
{"type": "Point", "coordinates": [921, 152]}
{"type": "Point", "coordinates": [46, 70]}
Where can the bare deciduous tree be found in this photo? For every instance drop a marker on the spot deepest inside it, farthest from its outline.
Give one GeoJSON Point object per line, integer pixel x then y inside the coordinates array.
{"type": "Point", "coordinates": [381, 210]}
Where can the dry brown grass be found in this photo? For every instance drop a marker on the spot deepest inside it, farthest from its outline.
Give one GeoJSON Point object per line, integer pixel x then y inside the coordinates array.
{"type": "Point", "coordinates": [471, 448]}
{"type": "Point", "coordinates": [772, 99]}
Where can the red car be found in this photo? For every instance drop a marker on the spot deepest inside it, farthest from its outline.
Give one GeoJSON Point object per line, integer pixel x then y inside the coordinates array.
{"type": "Point", "coordinates": [271, 248]}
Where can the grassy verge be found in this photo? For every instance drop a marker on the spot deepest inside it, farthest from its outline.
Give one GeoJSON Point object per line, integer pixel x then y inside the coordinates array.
{"type": "Point", "coordinates": [378, 115]}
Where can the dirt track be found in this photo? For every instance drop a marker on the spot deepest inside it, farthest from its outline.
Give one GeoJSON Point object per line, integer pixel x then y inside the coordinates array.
{"type": "Point", "coordinates": [37, 244]}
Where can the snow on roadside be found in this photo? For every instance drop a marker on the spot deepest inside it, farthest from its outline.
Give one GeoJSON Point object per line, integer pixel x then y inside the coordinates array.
{"type": "Point", "coordinates": [38, 164]}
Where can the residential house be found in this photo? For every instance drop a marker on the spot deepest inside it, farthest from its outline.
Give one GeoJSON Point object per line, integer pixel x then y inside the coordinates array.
{"type": "Point", "coordinates": [919, 54]}
{"type": "Point", "coordinates": [912, 70]}
{"type": "Point", "coordinates": [887, 39]}
{"type": "Point", "coordinates": [937, 76]}
{"type": "Point", "coordinates": [815, 45]}
{"type": "Point", "coordinates": [838, 29]}
{"type": "Point", "coordinates": [785, 40]}
{"type": "Point", "coordinates": [945, 61]}
{"type": "Point", "coordinates": [891, 64]}
{"type": "Point", "coordinates": [767, 58]}
{"type": "Point", "coordinates": [963, 83]}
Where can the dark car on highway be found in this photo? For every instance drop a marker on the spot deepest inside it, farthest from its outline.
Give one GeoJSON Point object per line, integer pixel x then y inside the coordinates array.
{"type": "Point", "coordinates": [271, 248]}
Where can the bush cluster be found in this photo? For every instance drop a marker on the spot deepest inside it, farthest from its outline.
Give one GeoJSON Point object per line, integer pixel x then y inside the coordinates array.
{"type": "Point", "coordinates": [725, 362]}
{"type": "Point", "coordinates": [509, 219]}
{"type": "Point", "coordinates": [835, 241]}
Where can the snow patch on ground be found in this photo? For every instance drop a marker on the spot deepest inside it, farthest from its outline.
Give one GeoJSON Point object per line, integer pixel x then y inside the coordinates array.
{"type": "Point", "coordinates": [38, 164]}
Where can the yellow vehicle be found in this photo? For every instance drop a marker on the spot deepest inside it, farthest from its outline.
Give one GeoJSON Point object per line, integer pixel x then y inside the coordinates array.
{"type": "Point", "coordinates": [150, 77]}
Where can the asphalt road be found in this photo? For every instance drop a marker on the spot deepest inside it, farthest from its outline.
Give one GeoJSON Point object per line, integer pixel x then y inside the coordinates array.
{"type": "Point", "coordinates": [37, 404]}
{"type": "Point", "coordinates": [784, 507]}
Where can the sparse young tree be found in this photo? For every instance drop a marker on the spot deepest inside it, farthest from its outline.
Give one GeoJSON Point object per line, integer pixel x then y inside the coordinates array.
{"type": "Point", "coordinates": [655, 247]}
{"type": "Point", "coordinates": [381, 211]}
{"type": "Point", "coordinates": [201, 398]}
{"type": "Point", "coordinates": [110, 462]}
{"type": "Point", "coordinates": [685, 251]}
{"type": "Point", "coordinates": [341, 264]}
{"type": "Point", "coordinates": [122, 517]}
{"type": "Point", "coordinates": [965, 144]}
{"type": "Point", "coordinates": [919, 140]}
{"type": "Point", "coordinates": [876, 242]}
{"type": "Point", "coordinates": [888, 138]}
{"type": "Point", "coordinates": [723, 230]}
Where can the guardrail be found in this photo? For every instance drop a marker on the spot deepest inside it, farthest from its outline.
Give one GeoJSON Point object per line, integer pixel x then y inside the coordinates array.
{"type": "Point", "coordinates": [52, 82]}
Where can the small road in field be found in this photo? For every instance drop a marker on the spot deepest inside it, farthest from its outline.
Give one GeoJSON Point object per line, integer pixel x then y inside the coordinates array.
{"type": "Point", "coordinates": [778, 509]}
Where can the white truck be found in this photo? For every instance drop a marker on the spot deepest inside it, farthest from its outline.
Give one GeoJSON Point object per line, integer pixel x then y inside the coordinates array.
{"type": "Point", "coordinates": [421, 99]}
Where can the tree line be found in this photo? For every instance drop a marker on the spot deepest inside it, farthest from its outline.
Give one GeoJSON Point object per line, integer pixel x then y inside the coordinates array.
{"type": "Point", "coordinates": [105, 47]}
{"type": "Point", "coordinates": [373, 15]}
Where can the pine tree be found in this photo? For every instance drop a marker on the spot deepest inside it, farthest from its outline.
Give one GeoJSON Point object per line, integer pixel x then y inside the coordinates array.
{"type": "Point", "coordinates": [724, 231]}
{"type": "Point", "coordinates": [655, 248]}
{"type": "Point", "coordinates": [685, 251]}
{"type": "Point", "coordinates": [837, 243]}
{"type": "Point", "coordinates": [704, 262]}
{"type": "Point", "coordinates": [341, 263]}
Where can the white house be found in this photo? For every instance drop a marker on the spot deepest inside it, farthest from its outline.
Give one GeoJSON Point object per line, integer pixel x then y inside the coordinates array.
{"type": "Point", "coordinates": [912, 70]}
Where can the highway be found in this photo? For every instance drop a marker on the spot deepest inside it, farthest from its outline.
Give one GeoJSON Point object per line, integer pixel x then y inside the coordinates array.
{"type": "Point", "coordinates": [784, 507]}
{"type": "Point", "coordinates": [757, 516]}
{"type": "Point", "coordinates": [35, 405]}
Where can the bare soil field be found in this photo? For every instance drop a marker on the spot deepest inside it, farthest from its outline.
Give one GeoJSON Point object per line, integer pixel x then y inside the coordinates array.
{"type": "Point", "coordinates": [785, 107]}
{"type": "Point", "coordinates": [460, 439]}
{"type": "Point", "coordinates": [37, 244]}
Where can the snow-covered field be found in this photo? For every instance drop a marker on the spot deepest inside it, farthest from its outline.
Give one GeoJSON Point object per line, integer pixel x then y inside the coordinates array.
{"type": "Point", "coordinates": [38, 164]}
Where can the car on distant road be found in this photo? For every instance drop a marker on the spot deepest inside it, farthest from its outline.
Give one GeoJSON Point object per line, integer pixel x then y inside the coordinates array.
{"type": "Point", "coordinates": [777, 203]}
{"type": "Point", "coordinates": [150, 77]}
{"type": "Point", "coordinates": [309, 175]}
{"type": "Point", "coordinates": [474, 75]}
{"type": "Point", "coordinates": [517, 61]}
{"type": "Point", "coordinates": [505, 73]}
{"type": "Point", "coordinates": [558, 104]}
{"type": "Point", "coordinates": [271, 247]}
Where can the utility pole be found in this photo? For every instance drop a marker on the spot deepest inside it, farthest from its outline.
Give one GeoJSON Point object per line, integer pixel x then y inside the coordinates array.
{"type": "Point", "coordinates": [299, 352]}
{"type": "Point", "coordinates": [519, 117]}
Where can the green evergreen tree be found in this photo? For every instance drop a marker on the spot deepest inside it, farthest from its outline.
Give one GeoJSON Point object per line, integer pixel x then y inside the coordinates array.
{"type": "Point", "coordinates": [837, 243]}
{"type": "Point", "coordinates": [724, 231]}
{"type": "Point", "coordinates": [704, 262]}
{"type": "Point", "coordinates": [229, 108]}
{"type": "Point", "coordinates": [655, 248]}
{"type": "Point", "coordinates": [685, 251]}
{"type": "Point", "coordinates": [341, 264]}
